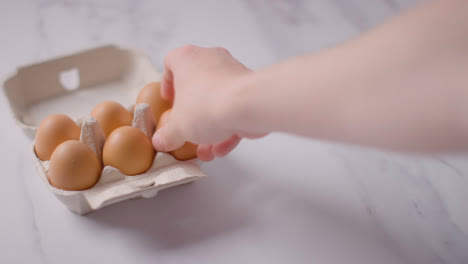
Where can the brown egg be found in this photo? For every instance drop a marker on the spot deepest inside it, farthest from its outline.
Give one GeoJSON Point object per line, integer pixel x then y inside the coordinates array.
{"type": "Point", "coordinates": [52, 131]}
{"type": "Point", "coordinates": [74, 166]}
{"type": "Point", "coordinates": [187, 151]}
{"type": "Point", "coordinates": [151, 94]}
{"type": "Point", "coordinates": [129, 150]}
{"type": "Point", "coordinates": [111, 115]}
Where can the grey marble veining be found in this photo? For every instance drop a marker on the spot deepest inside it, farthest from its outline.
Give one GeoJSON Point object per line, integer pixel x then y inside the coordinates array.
{"type": "Point", "coordinates": [410, 193]}
{"type": "Point", "coordinates": [281, 199]}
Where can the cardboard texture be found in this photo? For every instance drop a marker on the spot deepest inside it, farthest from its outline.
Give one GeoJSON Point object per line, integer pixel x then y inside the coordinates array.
{"type": "Point", "coordinates": [73, 85]}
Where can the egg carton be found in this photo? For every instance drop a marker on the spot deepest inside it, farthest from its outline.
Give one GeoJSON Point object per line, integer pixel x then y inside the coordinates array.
{"type": "Point", "coordinates": [73, 85]}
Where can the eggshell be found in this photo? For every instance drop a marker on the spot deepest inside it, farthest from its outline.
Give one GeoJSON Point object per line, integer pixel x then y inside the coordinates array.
{"type": "Point", "coordinates": [111, 115]}
{"type": "Point", "coordinates": [187, 151]}
{"type": "Point", "coordinates": [129, 150]}
{"type": "Point", "coordinates": [74, 166]}
{"type": "Point", "coordinates": [52, 131]}
{"type": "Point", "coordinates": [151, 94]}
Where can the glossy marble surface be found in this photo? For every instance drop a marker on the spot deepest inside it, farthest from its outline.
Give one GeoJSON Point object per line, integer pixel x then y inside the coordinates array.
{"type": "Point", "coordinates": [281, 199]}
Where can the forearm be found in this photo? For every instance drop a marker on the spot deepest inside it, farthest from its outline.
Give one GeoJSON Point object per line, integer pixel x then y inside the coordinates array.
{"type": "Point", "coordinates": [402, 86]}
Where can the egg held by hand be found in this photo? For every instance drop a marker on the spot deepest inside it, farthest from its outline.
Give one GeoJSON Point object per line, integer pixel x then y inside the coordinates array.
{"type": "Point", "coordinates": [129, 150]}
{"type": "Point", "coordinates": [187, 151]}
{"type": "Point", "coordinates": [151, 95]}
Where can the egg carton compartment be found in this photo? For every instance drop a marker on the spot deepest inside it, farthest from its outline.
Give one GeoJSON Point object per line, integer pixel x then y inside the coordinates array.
{"type": "Point", "coordinates": [105, 73]}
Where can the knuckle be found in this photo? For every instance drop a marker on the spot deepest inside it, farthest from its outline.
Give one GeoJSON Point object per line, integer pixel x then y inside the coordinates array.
{"type": "Point", "coordinates": [221, 49]}
{"type": "Point", "coordinates": [174, 54]}
{"type": "Point", "coordinates": [187, 49]}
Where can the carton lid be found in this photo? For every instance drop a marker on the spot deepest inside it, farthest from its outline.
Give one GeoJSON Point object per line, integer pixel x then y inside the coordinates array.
{"type": "Point", "coordinates": [74, 84]}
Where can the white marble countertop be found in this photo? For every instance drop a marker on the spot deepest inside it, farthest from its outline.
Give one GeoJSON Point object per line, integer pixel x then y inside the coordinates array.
{"type": "Point", "coordinates": [281, 199]}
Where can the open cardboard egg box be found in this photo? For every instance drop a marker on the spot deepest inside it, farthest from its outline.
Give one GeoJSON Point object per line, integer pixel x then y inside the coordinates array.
{"type": "Point", "coordinates": [73, 85]}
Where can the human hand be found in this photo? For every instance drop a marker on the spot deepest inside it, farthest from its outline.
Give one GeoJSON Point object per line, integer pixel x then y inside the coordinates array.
{"type": "Point", "coordinates": [200, 82]}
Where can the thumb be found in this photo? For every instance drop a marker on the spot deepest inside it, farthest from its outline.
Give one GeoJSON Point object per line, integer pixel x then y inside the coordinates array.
{"type": "Point", "coordinates": [167, 139]}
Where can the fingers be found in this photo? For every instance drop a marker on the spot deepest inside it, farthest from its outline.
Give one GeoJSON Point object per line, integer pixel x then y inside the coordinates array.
{"type": "Point", "coordinates": [167, 139]}
{"type": "Point", "coordinates": [167, 79]}
{"type": "Point", "coordinates": [209, 152]}
{"type": "Point", "coordinates": [167, 84]}
{"type": "Point", "coordinates": [223, 148]}
{"type": "Point", "coordinates": [180, 65]}
{"type": "Point", "coordinates": [205, 153]}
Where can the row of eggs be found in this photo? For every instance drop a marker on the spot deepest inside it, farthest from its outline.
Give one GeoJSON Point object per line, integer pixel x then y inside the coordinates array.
{"type": "Point", "coordinates": [74, 165]}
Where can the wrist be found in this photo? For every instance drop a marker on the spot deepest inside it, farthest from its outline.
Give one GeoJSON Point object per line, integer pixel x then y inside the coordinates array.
{"type": "Point", "coordinates": [237, 109]}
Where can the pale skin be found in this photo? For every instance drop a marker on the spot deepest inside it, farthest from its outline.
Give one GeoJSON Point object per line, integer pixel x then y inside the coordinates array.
{"type": "Point", "coordinates": [402, 86]}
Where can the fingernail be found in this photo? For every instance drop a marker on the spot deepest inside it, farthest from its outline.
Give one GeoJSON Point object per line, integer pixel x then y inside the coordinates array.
{"type": "Point", "coordinates": [157, 142]}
